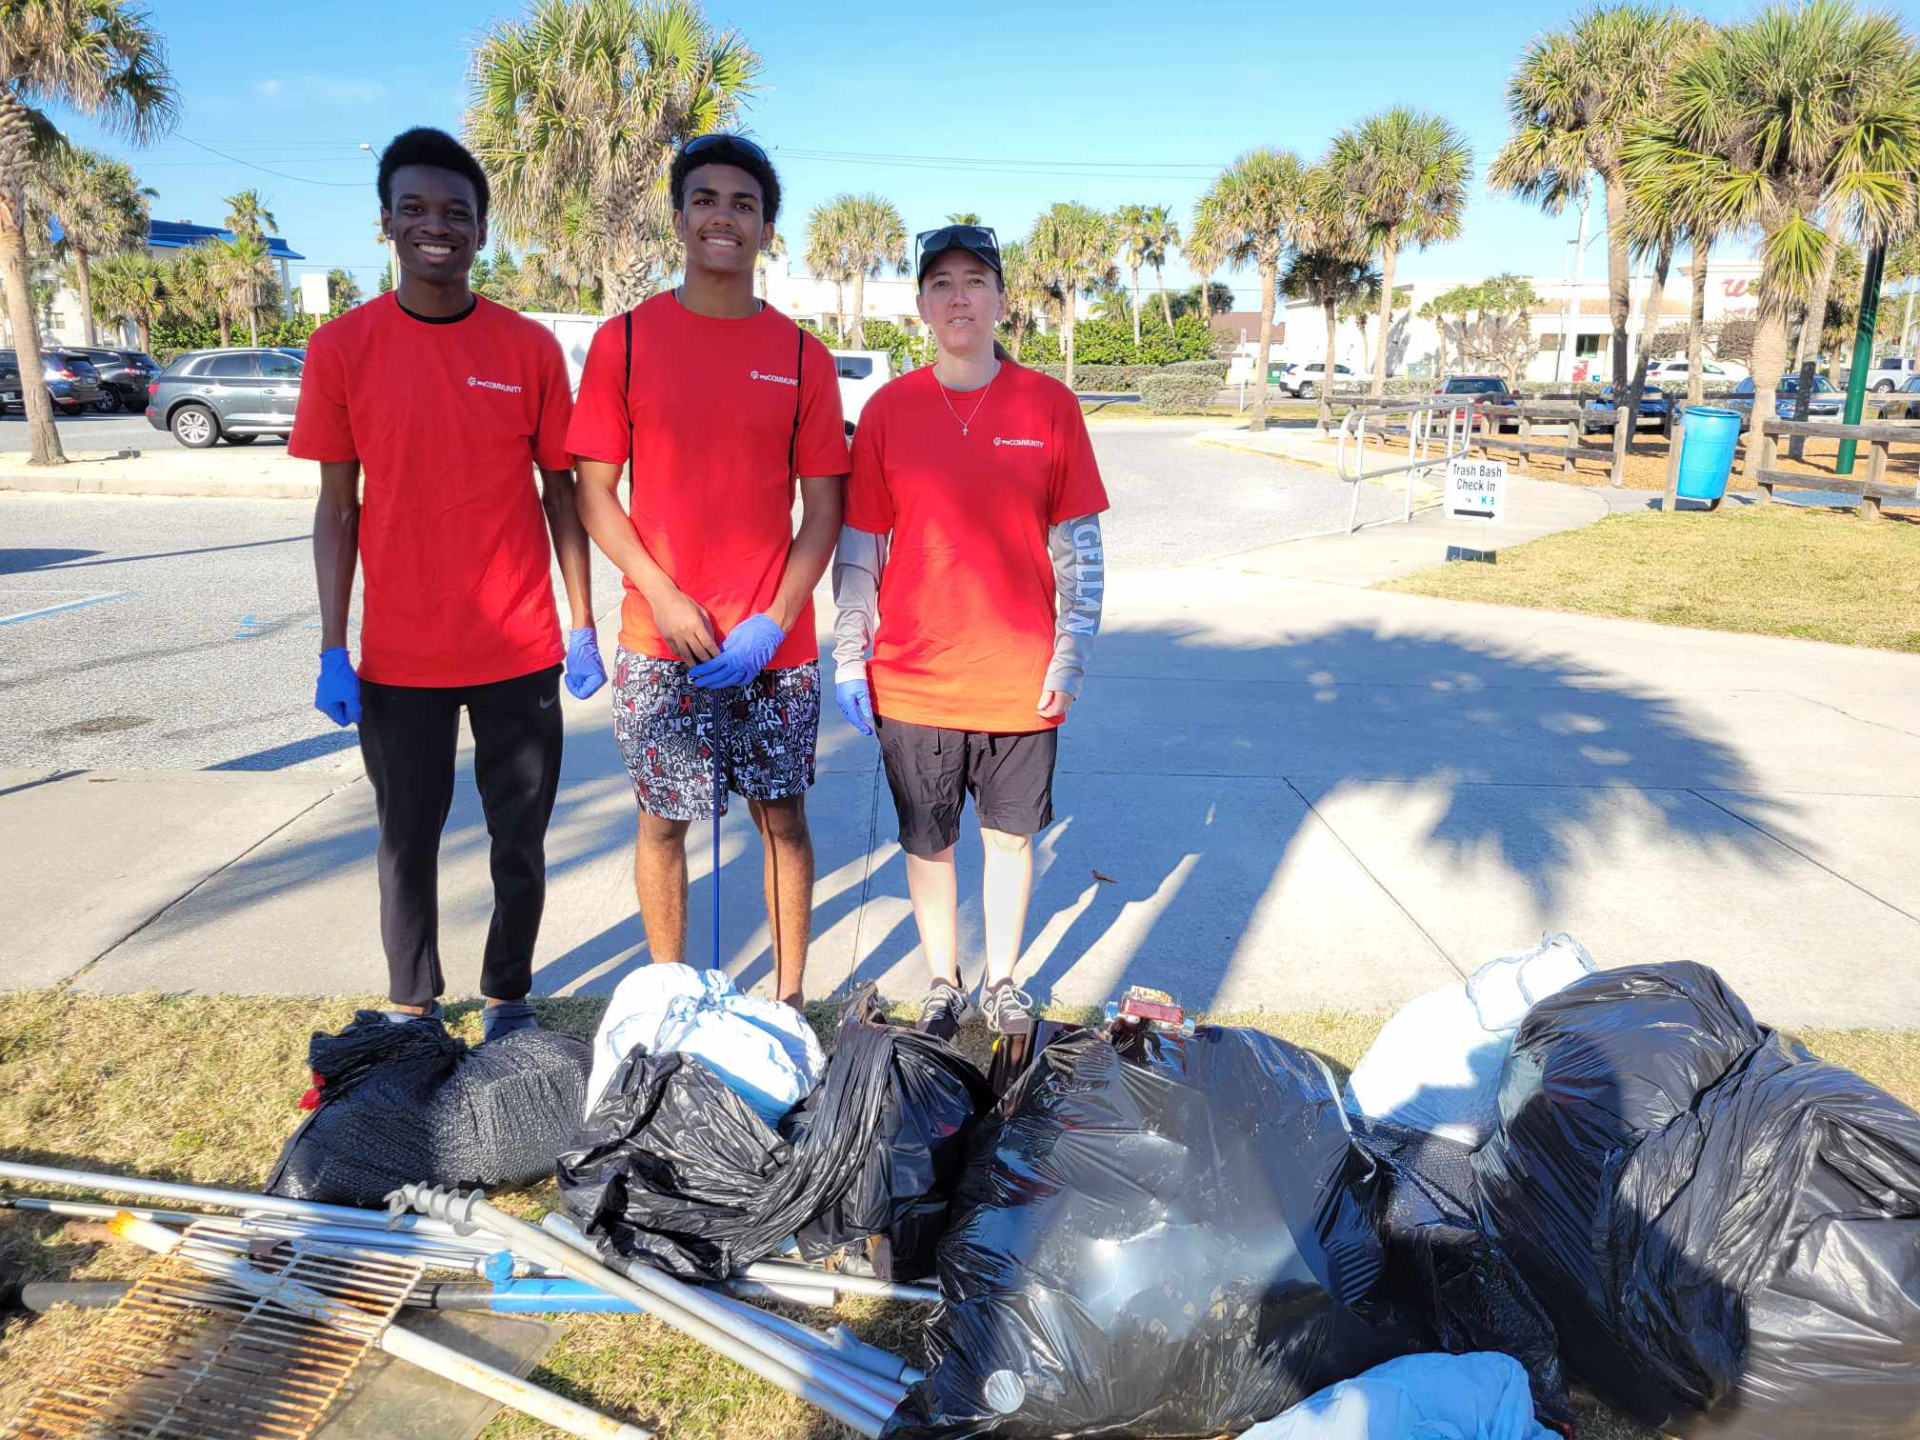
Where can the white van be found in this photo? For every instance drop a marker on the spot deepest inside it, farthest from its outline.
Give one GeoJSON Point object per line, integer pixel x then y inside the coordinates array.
{"type": "Point", "coordinates": [861, 373]}
{"type": "Point", "coordinates": [575, 334]}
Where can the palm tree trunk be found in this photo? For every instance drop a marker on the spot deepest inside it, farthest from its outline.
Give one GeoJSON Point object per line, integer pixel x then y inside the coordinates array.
{"type": "Point", "coordinates": [83, 288]}
{"type": "Point", "coordinates": [859, 309]}
{"type": "Point", "coordinates": [1649, 327]}
{"type": "Point", "coordinates": [44, 438]}
{"type": "Point", "coordinates": [1697, 322]}
{"type": "Point", "coordinates": [1269, 282]}
{"type": "Point", "coordinates": [1806, 354]}
{"type": "Point", "coordinates": [840, 311]}
{"type": "Point", "coordinates": [226, 330]}
{"type": "Point", "coordinates": [1206, 300]}
{"type": "Point", "coordinates": [1618, 276]}
{"type": "Point", "coordinates": [1769, 357]}
{"type": "Point", "coordinates": [145, 327]}
{"type": "Point", "coordinates": [1324, 420]}
{"type": "Point", "coordinates": [1166, 305]}
{"type": "Point", "coordinates": [1387, 256]}
{"type": "Point", "coordinates": [1066, 329]}
{"type": "Point", "coordinates": [1136, 313]}
{"type": "Point", "coordinates": [253, 324]}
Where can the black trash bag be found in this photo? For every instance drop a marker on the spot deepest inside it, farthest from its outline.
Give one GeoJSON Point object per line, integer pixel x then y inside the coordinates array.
{"type": "Point", "coordinates": [399, 1104]}
{"type": "Point", "coordinates": [1728, 1225]}
{"type": "Point", "coordinates": [1158, 1235]}
{"type": "Point", "coordinates": [1448, 1286]}
{"type": "Point", "coordinates": [895, 1210]}
{"type": "Point", "coordinates": [672, 1167]}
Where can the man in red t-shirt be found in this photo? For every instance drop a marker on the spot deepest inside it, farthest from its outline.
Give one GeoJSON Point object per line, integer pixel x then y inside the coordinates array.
{"type": "Point", "coordinates": [720, 402]}
{"type": "Point", "coordinates": [447, 403]}
{"type": "Point", "coordinates": [969, 580]}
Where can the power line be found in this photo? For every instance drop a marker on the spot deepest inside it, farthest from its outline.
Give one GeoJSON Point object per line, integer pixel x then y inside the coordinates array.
{"type": "Point", "coordinates": [281, 174]}
{"type": "Point", "coordinates": [995, 162]}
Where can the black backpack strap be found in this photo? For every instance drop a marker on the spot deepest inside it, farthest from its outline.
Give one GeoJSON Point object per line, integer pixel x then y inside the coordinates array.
{"type": "Point", "coordinates": [799, 361]}
{"type": "Point", "coordinates": [626, 398]}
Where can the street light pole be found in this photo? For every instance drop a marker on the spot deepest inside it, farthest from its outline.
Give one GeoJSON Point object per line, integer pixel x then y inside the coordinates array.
{"type": "Point", "coordinates": [393, 251]}
{"type": "Point", "coordinates": [1862, 350]}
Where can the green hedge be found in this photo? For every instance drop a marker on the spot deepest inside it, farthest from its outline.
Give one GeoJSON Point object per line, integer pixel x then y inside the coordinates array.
{"type": "Point", "coordinates": [1216, 370]}
{"type": "Point", "coordinates": [1110, 342]}
{"type": "Point", "coordinates": [1175, 394]}
{"type": "Point", "coordinates": [1101, 377]}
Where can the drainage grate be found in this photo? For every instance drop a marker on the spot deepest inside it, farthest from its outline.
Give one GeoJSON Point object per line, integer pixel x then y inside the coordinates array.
{"type": "Point", "coordinates": [192, 1353]}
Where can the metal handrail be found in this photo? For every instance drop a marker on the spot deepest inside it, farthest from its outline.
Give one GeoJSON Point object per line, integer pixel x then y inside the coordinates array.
{"type": "Point", "coordinates": [1420, 415]}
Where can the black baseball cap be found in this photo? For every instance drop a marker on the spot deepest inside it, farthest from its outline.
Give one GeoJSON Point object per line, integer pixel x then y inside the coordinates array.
{"type": "Point", "coordinates": [976, 240]}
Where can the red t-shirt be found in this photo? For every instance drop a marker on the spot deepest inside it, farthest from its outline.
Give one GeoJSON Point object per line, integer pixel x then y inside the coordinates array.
{"type": "Point", "coordinates": [712, 405]}
{"type": "Point", "coordinates": [967, 603]}
{"type": "Point", "coordinates": [448, 421]}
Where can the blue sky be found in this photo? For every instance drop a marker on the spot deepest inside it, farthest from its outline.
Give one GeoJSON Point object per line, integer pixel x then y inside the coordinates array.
{"type": "Point", "coordinates": [1005, 106]}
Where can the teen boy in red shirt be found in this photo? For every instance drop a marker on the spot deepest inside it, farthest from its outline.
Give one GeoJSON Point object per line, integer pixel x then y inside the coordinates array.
{"type": "Point", "coordinates": [969, 581]}
{"type": "Point", "coordinates": [720, 402]}
{"type": "Point", "coordinates": [446, 403]}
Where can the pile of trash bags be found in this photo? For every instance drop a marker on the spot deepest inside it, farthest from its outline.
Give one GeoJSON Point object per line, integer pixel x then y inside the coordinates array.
{"type": "Point", "coordinates": [397, 1103]}
{"type": "Point", "coordinates": [1725, 1228]}
{"type": "Point", "coordinates": [1157, 1234]}
{"type": "Point", "coordinates": [764, 1051]}
{"type": "Point", "coordinates": [1477, 1396]}
{"type": "Point", "coordinates": [675, 1167]}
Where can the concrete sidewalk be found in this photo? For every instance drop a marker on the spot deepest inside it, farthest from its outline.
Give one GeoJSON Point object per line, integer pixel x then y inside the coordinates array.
{"type": "Point", "coordinates": [1280, 791]}
{"type": "Point", "coordinates": [165, 467]}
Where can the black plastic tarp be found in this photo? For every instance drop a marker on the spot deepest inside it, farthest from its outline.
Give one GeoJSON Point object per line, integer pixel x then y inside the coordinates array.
{"type": "Point", "coordinates": [1725, 1229]}
{"type": "Point", "coordinates": [1157, 1235]}
{"type": "Point", "coordinates": [674, 1168]}
{"type": "Point", "coordinates": [407, 1103]}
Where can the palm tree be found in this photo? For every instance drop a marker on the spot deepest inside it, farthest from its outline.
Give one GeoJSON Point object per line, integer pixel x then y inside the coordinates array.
{"type": "Point", "coordinates": [1130, 229]}
{"type": "Point", "coordinates": [771, 253]}
{"type": "Point", "coordinates": [1073, 247]}
{"type": "Point", "coordinates": [238, 270]}
{"type": "Point", "coordinates": [1028, 292]}
{"type": "Point", "coordinates": [585, 102]}
{"type": "Point", "coordinates": [1364, 309]}
{"type": "Point", "coordinates": [966, 217]}
{"type": "Point", "coordinates": [875, 240]}
{"type": "Point", "coordinates": [1206, 252]}
{"type": "Point", "coordinates": [248, 216]}
{"type": "Point", "coordinates": [1259, 204]}
{"type": "Point", "coordinates": [1771, 121]}
{"type": "Point", "coordinates": [1330, 268]}
{"type": "Point", "coordinates": [826, 254]}
{"type": "Point", "coordinates": [99, 58]}
{"type": "Point", "coordinates": [1402, 174]}
{"type": "Point", "coordinates": [101, 209]}
{"type": "Point", "coordinates": [1113, 306]}
{"type": "Point", "coordinates": [131, 285]}
{"type": "Point", "coordinates": [343, 291]}
{"type": "Point", "coordinates": [1573, 100]}
{"type": "Point", "coordinates": [187, 284]}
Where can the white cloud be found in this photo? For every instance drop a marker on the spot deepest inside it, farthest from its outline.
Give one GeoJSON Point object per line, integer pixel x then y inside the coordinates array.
{"type": "Point", "coordinates": [335, 89]}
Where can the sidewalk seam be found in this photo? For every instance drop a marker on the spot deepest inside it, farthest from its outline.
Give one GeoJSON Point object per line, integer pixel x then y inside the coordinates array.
{"type": "Point", "coordinates": [1857, 719]}
{"type": "Point", "coordinates": [1367, 870]}
{"type": "Point", "coordinates": [1796, 850]}
{"type": "Point", "coordinates": [221, 869]}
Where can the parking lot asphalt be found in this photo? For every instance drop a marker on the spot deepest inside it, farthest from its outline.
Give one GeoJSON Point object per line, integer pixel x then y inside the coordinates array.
{"type": "Point", "coordinates": [88, 432]}
{"type": "Point", "coordinates": [180, 634]}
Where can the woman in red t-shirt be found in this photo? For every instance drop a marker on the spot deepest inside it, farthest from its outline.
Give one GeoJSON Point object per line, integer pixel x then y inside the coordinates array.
{"type": "Point", "coordinates": [968, 578]}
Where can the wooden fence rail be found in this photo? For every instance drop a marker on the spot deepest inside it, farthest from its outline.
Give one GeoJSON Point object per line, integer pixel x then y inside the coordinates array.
{"type": "Point", "coordinates": [1871, 491]}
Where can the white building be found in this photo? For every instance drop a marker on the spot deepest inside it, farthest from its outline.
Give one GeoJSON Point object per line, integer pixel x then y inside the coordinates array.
{"type": "Point", "coordinates": [1413, 344]}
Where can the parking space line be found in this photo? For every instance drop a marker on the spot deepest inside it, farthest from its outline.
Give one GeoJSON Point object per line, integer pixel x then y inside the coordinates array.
{"type": "Point", "coordinates": [56, 609]}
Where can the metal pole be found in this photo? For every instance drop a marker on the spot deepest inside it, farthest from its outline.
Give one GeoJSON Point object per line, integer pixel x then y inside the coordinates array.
{"type": "Point", "coordinates": [1862, 350]}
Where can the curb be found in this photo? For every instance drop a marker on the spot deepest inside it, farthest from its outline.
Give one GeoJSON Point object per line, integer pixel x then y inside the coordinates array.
{"type": "Point", "coordinates": [72, 479]}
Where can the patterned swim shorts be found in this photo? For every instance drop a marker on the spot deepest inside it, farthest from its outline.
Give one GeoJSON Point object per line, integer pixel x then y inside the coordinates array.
{"type": "Point", "coordinates": [666, 729]}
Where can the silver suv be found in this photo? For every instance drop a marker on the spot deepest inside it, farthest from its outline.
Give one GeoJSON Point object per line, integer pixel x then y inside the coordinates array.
{"type": "Point", "coordinates": [231, 395]}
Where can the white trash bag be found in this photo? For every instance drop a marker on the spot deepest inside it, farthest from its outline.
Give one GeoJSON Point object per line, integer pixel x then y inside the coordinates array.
{"type": "Point", "coordinates": [1435, 1066]}
{"type": "Point", "coordinates": [765, 1051]}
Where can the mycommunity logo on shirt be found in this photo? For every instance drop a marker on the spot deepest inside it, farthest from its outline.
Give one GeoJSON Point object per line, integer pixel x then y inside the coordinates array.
{"type": "Point", "coordinates": [1023, 444]}
{"type": "Point", "coordinates": [499, 385]}
{"type": "Point", "coordinates": [769, 375]}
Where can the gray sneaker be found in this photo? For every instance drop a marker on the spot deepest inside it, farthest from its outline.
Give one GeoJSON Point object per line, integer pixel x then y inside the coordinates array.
{"type": "Point", "coordinates": [1009, 1009]}
{"type": "Point", "coordinates": [944, 1010]}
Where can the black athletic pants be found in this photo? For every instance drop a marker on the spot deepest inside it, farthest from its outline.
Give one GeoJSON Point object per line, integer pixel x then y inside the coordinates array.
{"type": "Point", "coordinates": [408, 737]}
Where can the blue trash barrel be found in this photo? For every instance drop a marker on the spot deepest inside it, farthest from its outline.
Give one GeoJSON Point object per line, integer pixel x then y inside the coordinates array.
{"type": "Point", "coordinates": [1706, 451]}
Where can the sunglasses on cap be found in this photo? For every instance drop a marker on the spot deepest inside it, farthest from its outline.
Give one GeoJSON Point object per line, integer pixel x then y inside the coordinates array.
{"type": "Point", "coordinates": [974, 239]}
{"type": "Point", "coordinates": [737, 142]}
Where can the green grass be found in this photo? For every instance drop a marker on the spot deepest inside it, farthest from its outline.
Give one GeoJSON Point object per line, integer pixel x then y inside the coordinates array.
{"type": "Point", "coordinates": [202, 1090]}
{"type": "Point", "coordinates": [1766, 570]}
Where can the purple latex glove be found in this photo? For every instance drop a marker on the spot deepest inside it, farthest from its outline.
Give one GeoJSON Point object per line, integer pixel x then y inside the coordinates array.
{"type": "Point", "coordinates": [337, 695]}
{"type": "Point", "coordinates": [856, 703]}
{"type": "Point", "coordinates": [585, 673]}
{"type": "Point", "coordinates": [743, 655]}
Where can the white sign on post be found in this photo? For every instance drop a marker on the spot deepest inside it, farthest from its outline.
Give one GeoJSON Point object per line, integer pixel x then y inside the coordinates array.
{"type": "Point", "coordinates": [1477, 490]}
{"type": "Point", "coordinates": [314, 296]}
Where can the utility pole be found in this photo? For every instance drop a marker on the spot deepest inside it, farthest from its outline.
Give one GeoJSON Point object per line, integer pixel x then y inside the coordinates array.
{"type": "Point", "coordinates": [1862, 350]}
{"type": "Point", "coordinates": [393, 251]}
{"type": "Point", "coordinates": [1570, 304]}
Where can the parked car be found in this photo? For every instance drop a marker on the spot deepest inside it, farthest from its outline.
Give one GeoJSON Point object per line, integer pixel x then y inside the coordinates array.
{"type": "Point", "coordinates": [124, 376]}
{"type": "Point", "coordinates": [1713, 372]}
{"type": "Point", "coordinates": [861, 373]}
{"type": "Point", "coordinates": [1890, 373]}
{"type": "Point", "coordinates": [1491, 388]}
{"type": "Point", "coordinates": [72, 382]}
{"type": "Point", "coordinates": [234, 395]}
{"type": "Point", "coordinates": [1905, 410]}
{"type": "Point", "coordinates": [1824, 404]}
{"type": "Point", "coordinates": [10, 395]}
{"type": "Point", "coordinates": [1654, 406]}
{"type": "Point", "coordinates": [1303, 382]}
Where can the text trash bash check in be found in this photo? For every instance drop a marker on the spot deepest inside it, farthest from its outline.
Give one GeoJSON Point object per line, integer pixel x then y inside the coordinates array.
{"type": "Point", "coordinates": [1477, 490]}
